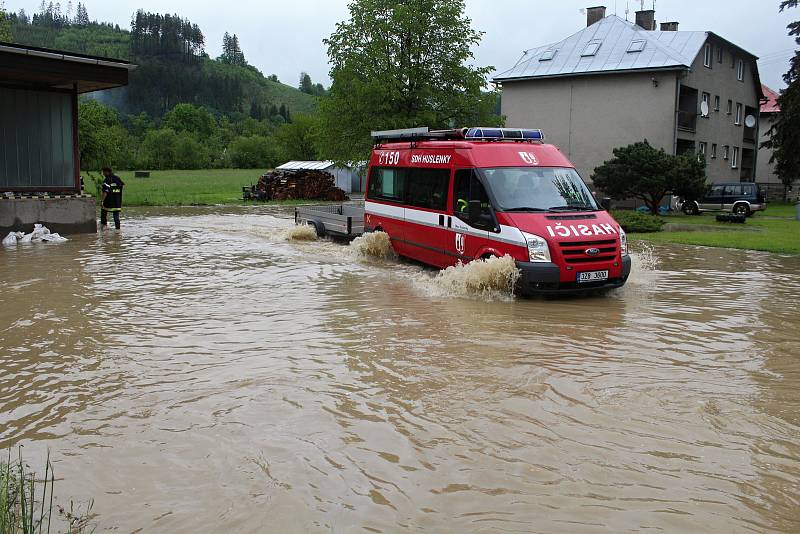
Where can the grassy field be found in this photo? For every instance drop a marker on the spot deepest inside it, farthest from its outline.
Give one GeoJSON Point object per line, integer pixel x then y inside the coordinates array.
{"type": "Point", "coordinates": [185, 188]}
{"type": "Point", "coordinates": [773, 230]}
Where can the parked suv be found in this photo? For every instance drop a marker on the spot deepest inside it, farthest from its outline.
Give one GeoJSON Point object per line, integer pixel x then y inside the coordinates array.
{"type": "Point", "coordinates": [738, 198]}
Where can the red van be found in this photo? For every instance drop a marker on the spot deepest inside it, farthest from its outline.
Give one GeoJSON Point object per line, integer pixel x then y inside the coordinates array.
{"type": "Point", "coordinates": [459, 195]}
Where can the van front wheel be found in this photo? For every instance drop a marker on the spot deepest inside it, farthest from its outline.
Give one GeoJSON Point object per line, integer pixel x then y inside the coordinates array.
{"type": "Point", "coordinates": [690, 208]}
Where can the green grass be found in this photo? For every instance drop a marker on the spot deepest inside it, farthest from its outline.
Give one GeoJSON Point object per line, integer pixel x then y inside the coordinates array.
{"type": "Point", "coordinates": [26, 501]}
{"type": "Point", "coordinates": [184, 188]}
{"type": "Point", "coordinates": [772, 230]}
{"type": "Point", "coordinates": [206, 187]}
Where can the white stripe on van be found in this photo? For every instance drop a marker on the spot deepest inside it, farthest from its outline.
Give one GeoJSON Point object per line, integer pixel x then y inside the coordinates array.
{"type": "Point", "coordinates": [508, 234]}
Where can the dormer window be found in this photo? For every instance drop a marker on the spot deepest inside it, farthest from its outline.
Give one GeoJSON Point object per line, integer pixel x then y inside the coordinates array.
{"type": "Point", "coordinates": [637, 45]}
{"type": "Point", "coordinates": [591, 48]}
{"type": "Point", "coordinates": [548, 55]}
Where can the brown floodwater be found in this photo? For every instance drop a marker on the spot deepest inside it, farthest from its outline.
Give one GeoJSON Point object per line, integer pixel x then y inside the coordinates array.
{"type": "Point", "coordinates": [201, 372]}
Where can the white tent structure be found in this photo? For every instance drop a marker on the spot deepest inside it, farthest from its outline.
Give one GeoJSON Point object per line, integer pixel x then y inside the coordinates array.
{"type": "Point", "coordinates": [347, 179]}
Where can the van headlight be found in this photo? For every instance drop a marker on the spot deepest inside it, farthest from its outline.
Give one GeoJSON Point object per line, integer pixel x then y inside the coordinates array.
{"type": "Point", "coordinates": [623, 242]}
{"type": "Point", "coordinates": [538, 250]}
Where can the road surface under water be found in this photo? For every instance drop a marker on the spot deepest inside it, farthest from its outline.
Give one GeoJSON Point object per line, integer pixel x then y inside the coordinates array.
{"type": "Point", "coordinates": [198, 372]}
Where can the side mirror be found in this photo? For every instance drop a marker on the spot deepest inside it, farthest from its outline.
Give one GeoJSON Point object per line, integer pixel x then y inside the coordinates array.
{"type": "Point", "coordinates": [606, 203]}
{"type": "Point", "coordinates": [474, 211]}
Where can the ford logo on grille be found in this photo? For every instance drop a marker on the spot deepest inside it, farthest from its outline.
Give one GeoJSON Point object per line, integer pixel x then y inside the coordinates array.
{"type": "Point", "coordinates": [592, 251]}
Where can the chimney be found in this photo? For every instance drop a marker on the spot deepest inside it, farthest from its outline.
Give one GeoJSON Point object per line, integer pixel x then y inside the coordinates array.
{"type": "Point", "coordinates": [595, 14]}
{"type": "Point", "coordinates": [646, 19]}
{"type": "Point", "coordinates": [669, 26]}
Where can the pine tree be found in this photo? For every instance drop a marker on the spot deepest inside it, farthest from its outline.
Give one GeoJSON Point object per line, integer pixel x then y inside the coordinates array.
{"type": "Point", "coordinates": [306, 85]}
{"type": "Point", "coordinates": [784, 135]}
{"type": "Point", "coordinates": [5, 25]}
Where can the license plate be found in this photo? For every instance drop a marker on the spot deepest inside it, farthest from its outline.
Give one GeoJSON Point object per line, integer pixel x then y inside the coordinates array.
{"type": "Point", "coordinates": [593, 276]}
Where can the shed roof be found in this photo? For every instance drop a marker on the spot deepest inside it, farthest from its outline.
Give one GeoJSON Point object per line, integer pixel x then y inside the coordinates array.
{"type": "Point", "coordinates": [305, 166]}
{"type": "Point", "coordinates": [32, 67]}
{"type": "Point", "coordinates": [623, 46]}
{"type": "Point", "coordinates": [771, 105]}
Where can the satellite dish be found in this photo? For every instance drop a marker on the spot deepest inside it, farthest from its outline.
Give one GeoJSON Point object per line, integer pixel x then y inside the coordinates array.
{"type": "Point", "coordinates": [750, 121]}
{"type": "Point", "coordinates": [704, 109]}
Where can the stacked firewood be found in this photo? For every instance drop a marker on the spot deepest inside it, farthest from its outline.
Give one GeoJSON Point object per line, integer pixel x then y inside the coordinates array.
{"type": "Point", "coordinates": [299, 185]}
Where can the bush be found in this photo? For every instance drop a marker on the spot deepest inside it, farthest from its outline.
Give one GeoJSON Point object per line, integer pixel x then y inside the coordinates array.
{"type": "Point", "coordinates": [632, 221]}
{"type": "Point", "coordinates": [252, 152]}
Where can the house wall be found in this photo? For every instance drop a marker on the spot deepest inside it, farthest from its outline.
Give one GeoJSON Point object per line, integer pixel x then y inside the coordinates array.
{"type": "Point", "coordinates": [718, 127]}
{"type": "Point", "coordinates": [588, 116]}
{"type": "Point", "coordinates": [37, 150]}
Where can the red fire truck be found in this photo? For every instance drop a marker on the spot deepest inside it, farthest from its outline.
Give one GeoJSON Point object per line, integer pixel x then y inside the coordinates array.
{"type": "Point", "coordinates": [457, 195]}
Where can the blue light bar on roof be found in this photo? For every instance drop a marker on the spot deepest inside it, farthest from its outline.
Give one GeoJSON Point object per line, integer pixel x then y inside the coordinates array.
{"type": "Point", "coordinates": [504, 133]}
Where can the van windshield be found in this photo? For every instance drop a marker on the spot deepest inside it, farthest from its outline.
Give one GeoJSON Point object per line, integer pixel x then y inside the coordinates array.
{"type": "Point", "coordinates": [538, 189]}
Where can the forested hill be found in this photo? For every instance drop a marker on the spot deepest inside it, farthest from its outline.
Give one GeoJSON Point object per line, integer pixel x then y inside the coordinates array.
{"type": "Point", "coordinates": [173, 66]}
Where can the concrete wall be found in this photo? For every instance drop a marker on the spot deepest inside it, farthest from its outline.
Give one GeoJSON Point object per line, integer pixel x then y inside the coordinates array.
{"type": "Point", "coordinates": [721, 80]}
{"type": "Point", "coordinates": [63, 215]}
{"type": "Point", "coordinates": [588, 116]}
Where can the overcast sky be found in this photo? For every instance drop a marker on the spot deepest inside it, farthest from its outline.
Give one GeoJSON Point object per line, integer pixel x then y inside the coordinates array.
{"type": "Point", "coordinates": [285, 37]}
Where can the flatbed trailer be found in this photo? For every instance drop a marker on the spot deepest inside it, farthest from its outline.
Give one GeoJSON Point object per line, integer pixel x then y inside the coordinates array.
{"type": "Point", "coordinates": [337, 220]}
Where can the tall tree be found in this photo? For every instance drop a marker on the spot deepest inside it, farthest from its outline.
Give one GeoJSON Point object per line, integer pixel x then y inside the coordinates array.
{"type": "Point", "coordinates": [5, 25]}
{"type": "Point", "coordinates": [784, 135]}
{"type": "Point", "coordinates": [306, 85]}
{"type": "Point", "coordinates": [398, 65]}
{"type": "Point", "coordinates": [231, 51]}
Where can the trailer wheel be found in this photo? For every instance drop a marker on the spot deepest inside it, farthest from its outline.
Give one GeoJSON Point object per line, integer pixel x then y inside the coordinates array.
{"type": "Point", "coordinates": [318, 227]}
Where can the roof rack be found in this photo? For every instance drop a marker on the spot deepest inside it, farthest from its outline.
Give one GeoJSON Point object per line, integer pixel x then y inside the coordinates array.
{"type": "Point", "coordinates": [463, 134]}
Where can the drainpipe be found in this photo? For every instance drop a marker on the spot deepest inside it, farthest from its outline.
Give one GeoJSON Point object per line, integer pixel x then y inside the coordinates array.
{"type": "Point", "coordinates": [677, 111]}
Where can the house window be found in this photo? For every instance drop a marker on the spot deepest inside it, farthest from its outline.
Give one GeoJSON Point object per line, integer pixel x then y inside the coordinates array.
{"type": "Point", "coordinates": [740, 70]}
{"type": "Point", "coordinates": [719, 54]}
{"type": "Point", "coordinates": [738, 119]}
{"type": "Point", "coordinates": [707, 99]}
{"type": "Point", "coordinates": [735, 158]}
{"type": "Point", "coordinates": [548, 54]}
{"type": "Point", "coordinates": [716, 103]}
{"type": "Point", "coordinates": [708, 56]}
{"type": "Point", "coordinates": [730, 107]}
{"type": "Point", "coordinates": [703, 147]}
{"type": "Point", "coordinates": [591, 48]}
{"type": "Point", "coordinates": [637, 45]}
{"type": "Point", "coordinates": [713, 150]}
{"type": "Point", "coordinates": [726, 151]}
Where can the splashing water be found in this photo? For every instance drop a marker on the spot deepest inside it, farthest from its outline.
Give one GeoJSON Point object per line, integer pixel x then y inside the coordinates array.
{"type": "Point", "coordinates": [302, 232]}
{"type": "Point", "coordinates": [645, 256]}
{"type": "Point", "coordinates": [373, 244]}
{"type": "Point", "coordinates": [493, 277]}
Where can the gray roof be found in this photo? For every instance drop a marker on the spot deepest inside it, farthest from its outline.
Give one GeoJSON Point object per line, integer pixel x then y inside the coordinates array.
{"type": "Point", "coordinates": [662, 50]}
{"type": "Point", "coordinates": [305, 166]}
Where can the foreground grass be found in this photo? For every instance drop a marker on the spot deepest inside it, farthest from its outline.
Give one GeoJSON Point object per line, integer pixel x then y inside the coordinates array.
{"type": "Point", "coordinates": [186, 188]}
{"type": "Point", "coordinates": [773, 230]}
{"type": "Point", "coordinates": [26, 501]}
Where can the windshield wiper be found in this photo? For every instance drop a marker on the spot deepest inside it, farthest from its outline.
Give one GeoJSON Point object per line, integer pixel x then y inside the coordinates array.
{"type": "Point", "coordinates": [524, 208]}
{"type": "Point", "coordinates": [571, 208]}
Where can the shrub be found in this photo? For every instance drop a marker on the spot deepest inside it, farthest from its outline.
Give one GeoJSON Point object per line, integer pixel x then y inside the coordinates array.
{"type": "Point", "coordinates": [252, 152]}
{"type": "Point", "coordinates": [632, 221]}
{"type": "Point", "coordinates": [643, 172]}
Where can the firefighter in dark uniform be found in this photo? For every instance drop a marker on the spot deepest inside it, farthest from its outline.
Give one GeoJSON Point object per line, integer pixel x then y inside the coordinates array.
{"type": "Point", "coordinates": [112, 197]}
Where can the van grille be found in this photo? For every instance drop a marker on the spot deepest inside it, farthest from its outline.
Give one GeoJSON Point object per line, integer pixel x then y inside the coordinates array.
{"type": "Point", "coordinates": [575, 251]}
